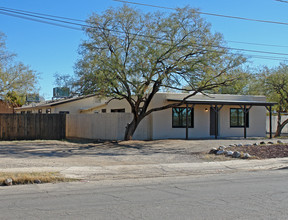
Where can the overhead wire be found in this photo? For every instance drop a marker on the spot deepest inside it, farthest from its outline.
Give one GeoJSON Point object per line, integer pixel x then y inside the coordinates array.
{"type": "Point", "coordinates": [38, 20]}
{"type": "Point", "coordinates": [40, 17]}
{"type": "Point", "coordinates": [85, 23]}
{"type": "Point", "coordinates": [282, 1]}
{"type": "Point", "coordinates": [207, 13]}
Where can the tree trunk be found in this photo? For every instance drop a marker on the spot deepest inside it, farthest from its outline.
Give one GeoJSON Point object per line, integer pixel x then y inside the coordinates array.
{"type": "Point", "coordinates": [130, 129]}
{"type": "Point", "coordinates": [279, 129]}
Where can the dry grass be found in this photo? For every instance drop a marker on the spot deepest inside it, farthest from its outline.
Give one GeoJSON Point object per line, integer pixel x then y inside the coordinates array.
{"type": "Point", "coordinates": [33, 177]}
{"type": "Point", "coordinates": [212, 157]}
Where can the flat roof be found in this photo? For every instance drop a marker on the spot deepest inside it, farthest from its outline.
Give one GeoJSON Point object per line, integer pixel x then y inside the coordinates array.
{"type": "Point", "coordinates": [223, 102]}
{"type": "Point", "coordinates": [54, 103]}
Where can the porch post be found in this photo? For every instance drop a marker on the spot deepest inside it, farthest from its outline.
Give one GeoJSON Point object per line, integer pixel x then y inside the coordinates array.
{"type": "Point", "coordinates": [216, 121]}
{"type": "Point", "coordinates": [270, 121]}
{"type": "Point", "coordinates": [187, 126]}
{"type": "Point", "coordinates": [245, 129]}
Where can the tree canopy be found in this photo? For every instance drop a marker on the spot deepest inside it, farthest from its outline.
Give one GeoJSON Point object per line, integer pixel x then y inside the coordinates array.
{"type": "Point", "coordinates": [133, 55]}
{"type": "Point", "coordinates": [274, 82]}
{"type": "Point", "coordinates": [15, 77]}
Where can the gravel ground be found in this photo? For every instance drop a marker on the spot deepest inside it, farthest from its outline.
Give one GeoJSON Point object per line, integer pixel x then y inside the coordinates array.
{"type": "Point", "coordinates": [264, 151]}
{"type": "Point", "coordinates": [44, 153]}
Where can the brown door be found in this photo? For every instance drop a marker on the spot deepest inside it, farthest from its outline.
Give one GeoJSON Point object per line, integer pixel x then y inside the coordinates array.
{"type": "Point", "coordinates": [213, 122]}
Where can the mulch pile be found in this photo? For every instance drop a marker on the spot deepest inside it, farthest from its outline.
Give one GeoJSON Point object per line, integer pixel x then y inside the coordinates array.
{"type": "Point", "coordinates": [263, 151]}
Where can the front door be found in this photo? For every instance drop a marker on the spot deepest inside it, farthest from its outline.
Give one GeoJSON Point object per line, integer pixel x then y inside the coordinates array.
{"type": "Point", "coordinates": [213, 129]}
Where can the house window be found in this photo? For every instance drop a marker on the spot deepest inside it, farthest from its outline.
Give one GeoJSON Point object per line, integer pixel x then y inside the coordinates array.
{"type": "Point", "coordinates": [118, 110]}
{"type": "Point", "coordinates": [103, 110]}
{"type": "Point", "coordinates": [48, 111]}
{"type": "Point", "coordinates": [64, 112]}
{"type": "Point", "coordinates": [39, 111]}
{"type": "Point", "coordinates": [237, 118]}
{"type": "Point", "coordinates": [179, 117]}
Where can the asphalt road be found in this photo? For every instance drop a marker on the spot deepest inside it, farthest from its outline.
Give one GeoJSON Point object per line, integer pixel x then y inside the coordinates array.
{"type": "Point", "coordinates": [247, 195]}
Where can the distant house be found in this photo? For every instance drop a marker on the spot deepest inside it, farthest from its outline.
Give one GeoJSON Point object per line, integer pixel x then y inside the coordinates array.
{"type": "Point", "coordinates": [216, 115]}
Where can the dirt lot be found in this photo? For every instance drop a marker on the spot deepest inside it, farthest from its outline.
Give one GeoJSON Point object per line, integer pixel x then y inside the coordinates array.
{"type": "Point", "coordinates": [72, 153]}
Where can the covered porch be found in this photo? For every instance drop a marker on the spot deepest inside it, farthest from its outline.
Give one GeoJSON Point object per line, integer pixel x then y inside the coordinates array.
{"type": "Point", "coordinates": [217, 105]}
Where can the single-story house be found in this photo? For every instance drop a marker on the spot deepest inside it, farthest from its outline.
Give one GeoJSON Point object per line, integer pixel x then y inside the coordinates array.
{"type": "Point", "coordinates": [201, 116]}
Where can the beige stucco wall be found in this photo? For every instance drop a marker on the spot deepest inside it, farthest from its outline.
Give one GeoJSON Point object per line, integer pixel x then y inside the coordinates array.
{"type": "Point", "coordinates": [162, 121]}
{"type": "Point", "coordinates": [274, 123]}
{"type": "Point", "coordinates": [158, 125]}
{"type": "Point", "coordinates": [109, 126]}
{"type": "Point", "coordinates": [257, 123]}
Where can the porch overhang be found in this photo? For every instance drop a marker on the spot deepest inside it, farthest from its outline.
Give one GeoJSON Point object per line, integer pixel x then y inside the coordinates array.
{"type": "Point", "coordinates": [223, 102]}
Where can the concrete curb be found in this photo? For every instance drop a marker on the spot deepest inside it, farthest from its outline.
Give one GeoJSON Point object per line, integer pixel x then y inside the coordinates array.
{"type": "Point", "coordinates": [158, 170]}
{"type": "Point", "coordinates": [175, 169]}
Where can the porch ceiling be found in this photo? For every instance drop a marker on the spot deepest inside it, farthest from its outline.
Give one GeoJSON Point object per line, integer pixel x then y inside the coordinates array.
{"type": "Point", "coordinates": [223, 102]}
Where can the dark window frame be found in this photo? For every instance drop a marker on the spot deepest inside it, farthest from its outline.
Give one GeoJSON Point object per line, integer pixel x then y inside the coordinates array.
{"type": "Point", "coordinates": [239, 112]}
{"type": "Point", "coordinates": [118, 110]}
{"type": "Point", "coordinates": [64, 112]}
{"type": "Point", "coordinates": [183, 120]}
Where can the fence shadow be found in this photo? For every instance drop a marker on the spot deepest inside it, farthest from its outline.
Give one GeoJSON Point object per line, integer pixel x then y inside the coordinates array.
{"type": "Point", "coordinates": [63, 149]}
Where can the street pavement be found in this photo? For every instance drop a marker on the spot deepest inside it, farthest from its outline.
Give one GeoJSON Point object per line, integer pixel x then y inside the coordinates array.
{"type": "Point", "coordinates": [240, 195]}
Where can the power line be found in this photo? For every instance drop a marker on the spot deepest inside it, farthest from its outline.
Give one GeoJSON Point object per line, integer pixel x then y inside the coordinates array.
{"type": "Point", "coordinates": [40, 16]}
{"type": "Point", "coordinates": [282, 1]}
{"type": "Point", "coordinates": [257, 44]}
{"type": "Point", "coordinates": [206, 13]}
{"type": "Point", "coordinates": [41, 21]}
{"type": "Point", "coordinates": [61, 21]}
{"type": "Point", "coordinates": [26, 15]}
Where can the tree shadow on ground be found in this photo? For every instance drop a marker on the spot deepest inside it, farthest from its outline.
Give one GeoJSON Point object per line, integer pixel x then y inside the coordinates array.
{"type": "Point", "coordinates": [64, 149]}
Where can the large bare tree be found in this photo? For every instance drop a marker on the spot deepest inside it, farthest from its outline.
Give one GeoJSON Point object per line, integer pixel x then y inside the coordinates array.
{"type": "Point", "coordinates": [132, 55]}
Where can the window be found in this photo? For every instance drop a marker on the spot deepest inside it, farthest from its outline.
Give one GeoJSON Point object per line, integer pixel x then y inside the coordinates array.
{"type": "Point", "coordinates": [39, 111]}
{"type": "Point", "coordinates": [48, 110]}
{"type": "Point", "coordinates": [179, 117]}
{"type": "Point", "coordinates": [103, 110]}
{"type": "Point", "coordinates": [118, 110]}
{"type": "Point", "coordinates": [237, 118]}
{"type": "Point", "coordinates": [64, 112]}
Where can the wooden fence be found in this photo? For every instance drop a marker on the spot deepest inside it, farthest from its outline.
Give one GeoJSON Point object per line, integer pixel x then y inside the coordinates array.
{"type": "Point", "coordinates": [32, 126]}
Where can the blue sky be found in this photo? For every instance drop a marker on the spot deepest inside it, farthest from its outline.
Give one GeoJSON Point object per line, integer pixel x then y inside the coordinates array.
{"type": "Point", "coordinates": [49, 49]}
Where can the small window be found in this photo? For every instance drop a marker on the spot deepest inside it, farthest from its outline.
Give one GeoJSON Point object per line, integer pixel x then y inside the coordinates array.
{"type": "Point", "coordinates": [48, 111]}
{"type": "Point", "coordinates": [103, 110]}
{"type": "Point", "coordinates": [118, 110]}
{"type": "Point", "coordinates": [39, 111]}
{"type": "Point", "coordinates": [237, 118]}
{"type": "Point", "coordinates": [64, 112]}
{"type": "Point", "coordinates": [179, 117]}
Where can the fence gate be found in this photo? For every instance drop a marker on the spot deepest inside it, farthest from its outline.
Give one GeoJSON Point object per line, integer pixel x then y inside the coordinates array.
{"type": "Point", "coordinates": [32, 126]}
